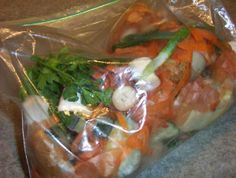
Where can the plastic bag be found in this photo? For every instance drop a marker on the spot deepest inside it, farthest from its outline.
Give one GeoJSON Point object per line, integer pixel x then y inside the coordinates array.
{"type": "Point", "coordinates": [92, 111]}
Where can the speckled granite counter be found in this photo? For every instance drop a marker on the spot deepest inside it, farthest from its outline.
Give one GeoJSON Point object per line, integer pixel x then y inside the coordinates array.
{"type": "Point", "coordinates": [209, 154]}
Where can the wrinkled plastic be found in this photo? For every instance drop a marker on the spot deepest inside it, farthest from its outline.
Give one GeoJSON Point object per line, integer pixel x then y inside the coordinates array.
{"type": "Point", "coordinates": [136, 135]}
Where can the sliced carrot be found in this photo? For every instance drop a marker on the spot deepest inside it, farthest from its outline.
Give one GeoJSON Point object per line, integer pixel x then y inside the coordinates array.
{"type": "Point", "coordinates": [202, 34]}
{"type": "Point", "coordinates": [140, 140]}
{"type": "Point", "coordinates": [159, 111]}
{"type": "Point", "coordinates": [192, 44]}
{"type": "Point", "coordinates": [159, 105]}
{"type": "Point", "coordinates": [187, 44]}
{"type": "Point", "coordinates": [182, 55]}
{"type": "Point", "coordinates": [122, 120]}
{"type": "Point", "coordinates": [183, 81]}
{"type": "Point", "coordinates": [111, 68]}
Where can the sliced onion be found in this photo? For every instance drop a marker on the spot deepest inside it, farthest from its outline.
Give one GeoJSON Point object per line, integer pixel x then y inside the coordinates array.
{"type": "Point", "coordinates": [137, 67]}
{"type": "Point", "coordinates": [76, 106]}
{"type": "Point", "coordinates": [124, 98]}
{"type": "Point", "coordinates": [130, 164]}
{"type": "Point", "coordinates": [233, 45]}
{"type": "Point", "coordinates": [198, 64]}
{"type": "Point", "coordinates": [129, 31]}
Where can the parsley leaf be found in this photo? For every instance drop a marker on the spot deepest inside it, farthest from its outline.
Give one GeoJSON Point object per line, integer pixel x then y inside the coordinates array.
{"type": "Point", "coordinates": [66, 74]}
{"type": "Point", "coordinates": [70, 93]}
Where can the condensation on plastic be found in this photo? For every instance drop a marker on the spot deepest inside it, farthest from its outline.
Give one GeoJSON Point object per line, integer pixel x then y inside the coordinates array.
{"type": "Point", "coordinates": [91, 20]}
{"type": "Point", "coordinates": [88, 32]}
{"type": "Point", "coordinates": [210, 12]}
{"type": "Point", "coordinates": [83, 7]}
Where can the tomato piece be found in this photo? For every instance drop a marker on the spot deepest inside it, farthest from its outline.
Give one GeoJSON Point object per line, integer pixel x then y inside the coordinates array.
{"type": "Point", "coordinates": [107, 163]}
{"type": "Point", "coordinates": [85, 169]}
{"type": "Point", "coordinates": [225, 66]}
{"type": "Point", "coordinates": [198, 95]}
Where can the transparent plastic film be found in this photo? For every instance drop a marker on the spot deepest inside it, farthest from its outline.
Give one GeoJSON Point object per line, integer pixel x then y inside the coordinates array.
{"type": "Point", "coordinates": [105, 97]}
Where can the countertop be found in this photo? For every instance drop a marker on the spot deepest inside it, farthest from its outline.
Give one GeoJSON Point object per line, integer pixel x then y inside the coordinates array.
{"type": "Point", "coordinates": [211, 153]}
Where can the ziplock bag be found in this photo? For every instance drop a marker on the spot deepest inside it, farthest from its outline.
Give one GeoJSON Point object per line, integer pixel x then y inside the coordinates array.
{"type": "Point", "coordinates": [105, 96]}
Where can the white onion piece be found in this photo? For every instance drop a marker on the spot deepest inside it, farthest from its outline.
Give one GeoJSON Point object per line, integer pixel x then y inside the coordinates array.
{"type": "Point", "coordinates": [124, 98]}
{"type": "Point", "coordinates": [150, 83]}
{"type": "Point", "coordinates": [137, 67]}
{"type": "Point", "coordinates": [35, 109]}
{"type": "Point", "coordinates": [198, 64]}
{"type": "Point", "coordinates": [130, 164]}
{"type": "Point", "coordinates": [76, 106]}
{"type": "Point", "coordinates": [233, 45]}
{"type": "Point", "coordinates": [129, 31]}
{"type": "Point", "coordinates": [198, 120]}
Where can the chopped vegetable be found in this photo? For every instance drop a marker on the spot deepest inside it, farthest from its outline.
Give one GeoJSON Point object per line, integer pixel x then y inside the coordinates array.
{"type": "Point", "coordinates": [107, 162]}
{"type": "Point", "coordinates": [233, 45]}
{"type": "Point", "coordinates": [129, 164]}
{"type": "Point", "coordinates": [198, 64]}
{"type": "Point", "coordinates": [73, 73]}
{"type": "Point", "coordinates": [140, 140]}
{"type": "Point", "coordinates": [137, 67]}
{"type": "Point", "coordinates": [137, 39]}
{"type": "Point", "coordinates": [122, 120]}
{"type": "Point", "coordinates": [108, 113]}
{"type": "Point", "coordinates": [199, 104]}
{"type": "Point", "coordinates": [225, 67]}
{"type": "Point", "coordinates": [198, 120]}
{"type": "Point", "coordinates": [165, 133]}
{"type": "Point", "coordinates": [116, 139]}
{"type": "Point", "coordinates": [73, 106]}
{"type": "Point", "coordinates": [124, 98]}
{"type": "Point", "coordinates": [165, 52]}
{"type": "Point", "coordinates": [202, 34]}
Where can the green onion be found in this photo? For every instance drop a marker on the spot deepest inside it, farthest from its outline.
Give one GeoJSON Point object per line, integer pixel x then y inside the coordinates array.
{"type": "Point", "coordinates": [137, 39]}
{"type": "Point", "coordinates": [166, 52]}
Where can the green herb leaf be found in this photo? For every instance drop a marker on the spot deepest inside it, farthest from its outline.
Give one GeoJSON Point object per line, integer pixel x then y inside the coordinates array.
{"type": "Point", "coordinates": [47, 77]}
{"type": "Point", "coordinates": [89, 97]}
{"type": "Point", "coordinates": [70, 93]}
{"type": "Point", "coordinates": [66, 75]}
{"type": "Point", "coordinates": [105, 96]}
{"type": "Point", "coordinates": [65, 119]}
